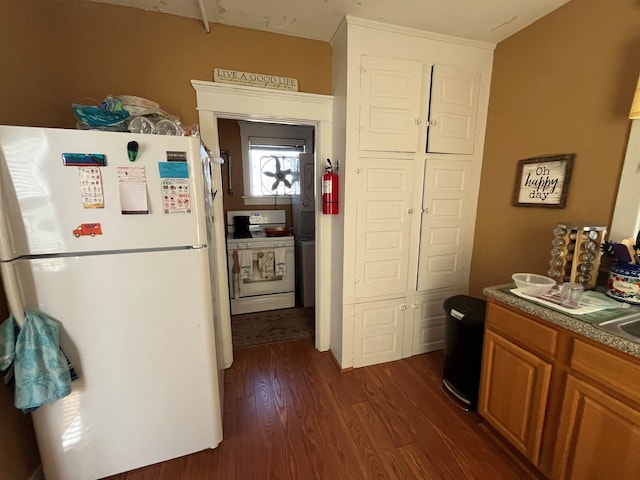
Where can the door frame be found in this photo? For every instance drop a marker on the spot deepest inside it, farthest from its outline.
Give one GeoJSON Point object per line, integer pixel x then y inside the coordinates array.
{"type": "Point", "coordinates": [216, 100]}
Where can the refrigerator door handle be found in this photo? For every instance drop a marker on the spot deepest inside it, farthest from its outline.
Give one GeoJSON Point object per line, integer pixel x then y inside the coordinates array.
{"type": "Point", "coordinates": [12, 290]}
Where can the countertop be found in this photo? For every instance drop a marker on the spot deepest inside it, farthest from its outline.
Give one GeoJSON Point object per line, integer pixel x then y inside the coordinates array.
{"type": "Point", "coordinates": [561, 319]}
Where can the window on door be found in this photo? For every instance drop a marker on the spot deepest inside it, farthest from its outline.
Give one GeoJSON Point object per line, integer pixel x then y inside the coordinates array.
{"type": "Point", "coordinates": [270, 160]}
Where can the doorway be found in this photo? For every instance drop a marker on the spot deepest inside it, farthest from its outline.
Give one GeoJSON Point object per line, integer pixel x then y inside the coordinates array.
{"type": "Point", "coordinates": [268, 176]}
{"type": "Point", "coordinates": [246, 103]}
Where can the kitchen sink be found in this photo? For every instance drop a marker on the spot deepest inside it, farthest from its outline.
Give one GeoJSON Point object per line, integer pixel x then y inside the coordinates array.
{"type": "Point", "coordinates": [626, 327]}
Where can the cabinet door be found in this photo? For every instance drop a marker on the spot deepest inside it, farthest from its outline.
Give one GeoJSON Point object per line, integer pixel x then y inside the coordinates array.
{"type": "Point", "coordinates": [513, 393]}
{"type": "Point", "coordinates": [390, 96]}
{"type": "Point", "coordinates": [383, 226]}
{"type": "Point", "coordinates": [378, 332]}
{"type": "Point", "coordinates": [453, 110]}
{"type": "Point", "coordinates": [445, 249]}
{"type": "Point", "coordinates": [428, 321]}
{"type": "Point", "coordinates": [598, 435]}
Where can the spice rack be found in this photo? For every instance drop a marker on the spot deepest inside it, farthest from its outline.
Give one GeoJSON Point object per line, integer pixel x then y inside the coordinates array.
{"type": "Point", "coordinates": [576, 252]}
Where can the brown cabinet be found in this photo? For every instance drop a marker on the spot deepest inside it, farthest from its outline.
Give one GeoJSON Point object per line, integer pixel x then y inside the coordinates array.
{"type": "Point", "coordinates": [598, 435]}
{"type": "Point", "coordinates": [599, 427]}
{"type": "Point", "coordinates": [513, 396]}
{"type": "Point", "coordinates": [516, 374]}
{"type": "Point", "coordinates": [568, 403]}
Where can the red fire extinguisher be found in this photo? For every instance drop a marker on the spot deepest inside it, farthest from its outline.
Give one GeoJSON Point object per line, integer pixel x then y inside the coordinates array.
{"type": "Point", "coordinates": [330, 191]}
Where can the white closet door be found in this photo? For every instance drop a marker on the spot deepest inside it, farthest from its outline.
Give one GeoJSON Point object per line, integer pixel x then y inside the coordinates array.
{"type": "Point", "coordinates": [428, 321]}
{"type": "Point", "coordinates": [378, 332]}
{"type": "Point", "coordinates": [445, 249]}
{"type": "Point", "coordinates": [453, 110]}
{"type": "Point", "coordinates": [390, 96]}
{"type": "Point", "coordinates": [383, 226]}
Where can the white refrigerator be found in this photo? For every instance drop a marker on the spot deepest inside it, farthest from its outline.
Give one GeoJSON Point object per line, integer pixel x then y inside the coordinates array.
{"type": "Point", "coordinates": [107, 233]}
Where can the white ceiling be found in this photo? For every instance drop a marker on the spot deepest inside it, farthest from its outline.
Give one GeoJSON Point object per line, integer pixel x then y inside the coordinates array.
{"type": "Point", "coordinates": [486, 20]}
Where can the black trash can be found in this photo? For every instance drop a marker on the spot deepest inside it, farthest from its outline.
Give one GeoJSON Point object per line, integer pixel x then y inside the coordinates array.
{"type": "Point", "coordinates": [463, 335]}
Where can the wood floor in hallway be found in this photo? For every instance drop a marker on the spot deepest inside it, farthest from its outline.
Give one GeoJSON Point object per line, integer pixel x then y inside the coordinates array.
{"type": "Point", "coordinates": [290, 414]}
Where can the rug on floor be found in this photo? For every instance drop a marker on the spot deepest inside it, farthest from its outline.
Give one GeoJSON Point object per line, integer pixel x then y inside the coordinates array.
{"type": "Point", "coordinates": [261, 328]}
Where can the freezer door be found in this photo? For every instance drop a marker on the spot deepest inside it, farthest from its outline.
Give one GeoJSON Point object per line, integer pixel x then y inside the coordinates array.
{"type": "Point", "coordinates": [138, 329]}
{"type": "Point", "coordinates": [47, 207]}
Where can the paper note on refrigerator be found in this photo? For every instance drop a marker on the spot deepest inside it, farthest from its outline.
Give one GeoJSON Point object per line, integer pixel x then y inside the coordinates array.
{"type": "Point", "coordinates": [176, 197]}
{"type": "Point", "coordinates": [132, 186]}
{"type": "Point", "coordinates": [91, 187]}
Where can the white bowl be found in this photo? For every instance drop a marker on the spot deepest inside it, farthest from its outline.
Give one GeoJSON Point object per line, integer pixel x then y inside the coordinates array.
{"type": "Point", "coordinates": [533, 284]}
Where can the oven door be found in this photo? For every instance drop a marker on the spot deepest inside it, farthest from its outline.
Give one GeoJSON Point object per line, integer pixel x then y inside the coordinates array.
{"type": "Point", "coordinates": [262, 277]}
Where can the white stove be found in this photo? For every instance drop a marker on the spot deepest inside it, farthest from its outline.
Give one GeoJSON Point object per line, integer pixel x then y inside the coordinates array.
{"type": "Point", "coordinates": [261, 268]}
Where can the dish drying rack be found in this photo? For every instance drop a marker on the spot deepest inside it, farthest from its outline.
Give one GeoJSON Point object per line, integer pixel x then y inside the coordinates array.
{"type": "Point", "coordinates": [576, 252]}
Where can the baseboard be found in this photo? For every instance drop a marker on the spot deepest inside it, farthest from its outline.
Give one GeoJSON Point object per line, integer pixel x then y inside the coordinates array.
{"type": "Point", "coordinates": [37, 474]}
{"type": "Point", "coordinates": [338, 366]}
{"type": "Point", "coordinates": [497, 438]}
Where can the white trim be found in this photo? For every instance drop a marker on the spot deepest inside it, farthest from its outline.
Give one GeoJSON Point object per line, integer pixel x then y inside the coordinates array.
{"type": "Point", "coordinates": [372, 24]}
{"type": "Point", "coordinates": [626, 214]}
{"type": "Point", "coordinates": [244, 103]}
{"type": "Point", "coordinates": [267, 200]}
{"type": "Point", "coordinates": [258, 101]}
{"type": "Point", "coordinates": [203, 16]}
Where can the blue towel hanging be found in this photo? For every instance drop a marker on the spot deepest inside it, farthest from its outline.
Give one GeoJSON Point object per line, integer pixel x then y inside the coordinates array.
{"type": "Point", "coordinates": [41, 370]}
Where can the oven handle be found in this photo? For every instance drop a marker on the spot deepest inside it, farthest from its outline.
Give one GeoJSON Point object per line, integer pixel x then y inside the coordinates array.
{"type": "Point", "coordinates": [235, 275]}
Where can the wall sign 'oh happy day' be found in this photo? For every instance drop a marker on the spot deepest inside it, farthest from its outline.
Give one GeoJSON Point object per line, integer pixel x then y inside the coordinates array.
{"type": "Point", "coordinates": [543, 181]}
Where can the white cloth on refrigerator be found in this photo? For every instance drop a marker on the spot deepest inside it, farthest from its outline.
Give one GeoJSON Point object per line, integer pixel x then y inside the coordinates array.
{"type": "Point", "coordinates": [245, 257]}
{"type": "Point", "coordinates": [266, 265]}
{"type": "Point", "coordinates": [280, 258]}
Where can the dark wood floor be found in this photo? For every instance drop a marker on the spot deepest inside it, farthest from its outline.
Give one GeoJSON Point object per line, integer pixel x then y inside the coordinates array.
{"type": "Point", "coordinates": [290, 414]}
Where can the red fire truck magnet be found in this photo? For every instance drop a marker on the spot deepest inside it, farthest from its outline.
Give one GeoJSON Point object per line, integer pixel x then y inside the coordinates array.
{"type": "Point", "coordinates": [91, 229]}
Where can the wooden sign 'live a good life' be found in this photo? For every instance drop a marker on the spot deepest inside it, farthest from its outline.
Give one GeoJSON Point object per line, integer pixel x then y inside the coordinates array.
{"type": "Point", "coordinates": [223, 75]}
{"type": "Point", "coordinates": [543, 181]}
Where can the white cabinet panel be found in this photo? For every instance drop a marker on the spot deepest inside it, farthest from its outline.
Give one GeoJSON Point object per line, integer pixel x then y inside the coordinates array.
{"type": "Point", "coordinates": [383, 227]}
{"type": "Point", "coordinates": [388, 84]}
{"type": "Point", "coordinates": [453, 110]}
{"type": "Point", "coordinates": [444, 246]}
{"type": "Point", "coordinates": [428, 321]}
{"type": "Point", "coordinates": [378, 332]}
{"type": "Point", "coordinates": [390, 96]}
{"type": "Point", "coordinates": [380, 241]}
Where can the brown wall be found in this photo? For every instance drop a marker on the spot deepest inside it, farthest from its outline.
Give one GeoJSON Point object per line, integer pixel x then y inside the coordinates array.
{"type": "Point", "coordinates": [562, 85]}
{"type": "Point", "coordinates": [57, 53]}
{"type": "Point", "coordinates": [54, 53]}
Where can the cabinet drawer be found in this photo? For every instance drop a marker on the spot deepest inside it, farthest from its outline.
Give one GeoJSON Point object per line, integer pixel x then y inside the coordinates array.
{"type": "Point", "coordinates": [521, 329]}
{"type": "Point", "coordinates": [620, 374]}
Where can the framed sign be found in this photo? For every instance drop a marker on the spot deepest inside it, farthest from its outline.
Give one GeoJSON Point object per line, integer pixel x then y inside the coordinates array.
{"type": "Point", "coordinates": [223, 75]}
{"type": "Point", "coordinates": [543, 181]}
